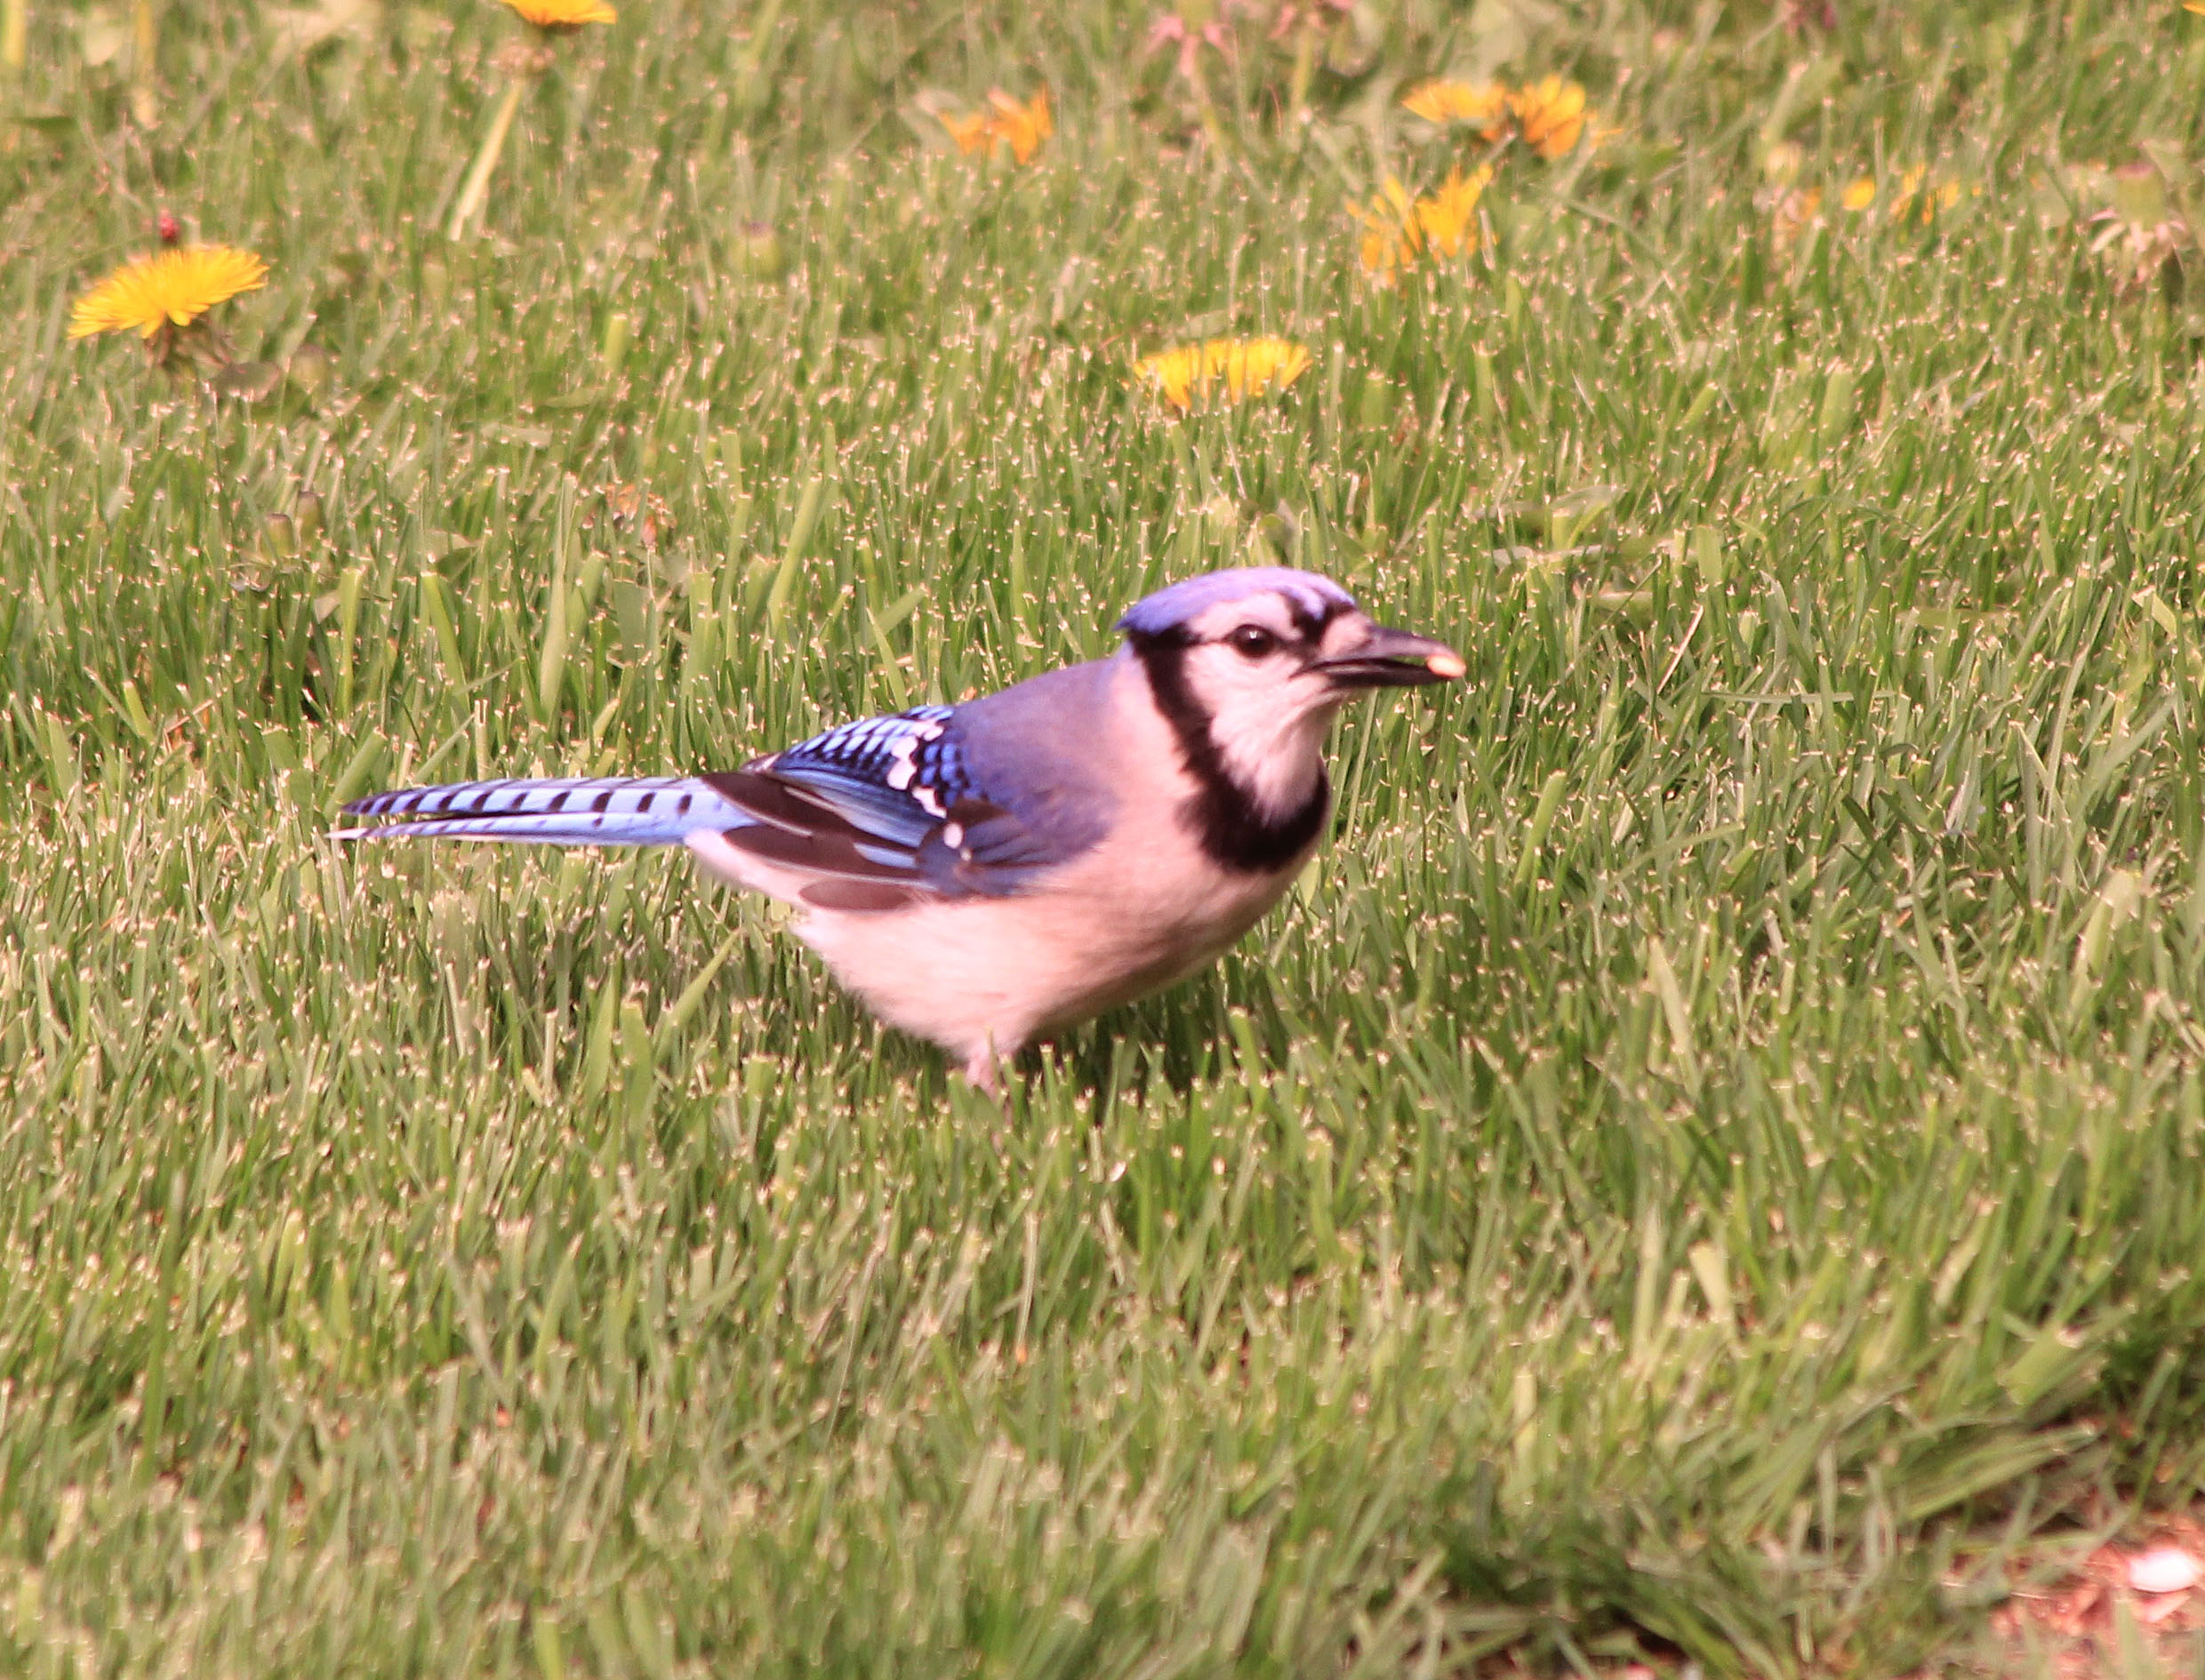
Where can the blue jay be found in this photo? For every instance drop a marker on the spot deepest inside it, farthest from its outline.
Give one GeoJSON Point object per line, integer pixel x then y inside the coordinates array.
{"type": "Point", "coordinates": [984, 873]}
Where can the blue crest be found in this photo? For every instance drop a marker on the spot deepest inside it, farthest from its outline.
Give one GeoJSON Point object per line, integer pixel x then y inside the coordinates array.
{"type": "Point", "coordinates": [1309, 595]}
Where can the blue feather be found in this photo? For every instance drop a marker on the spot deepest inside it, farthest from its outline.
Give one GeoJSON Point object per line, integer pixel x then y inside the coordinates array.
{"type": "Point", "coordinates": [647, 811]}
{"type": "Point", "coordinates": [919, 800]}
{"type": "Point", "coordinates": [1169, 608]}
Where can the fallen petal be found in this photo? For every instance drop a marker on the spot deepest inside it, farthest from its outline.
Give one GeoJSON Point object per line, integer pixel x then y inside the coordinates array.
{"type": "Point", "coordinates": [2164, 1569]}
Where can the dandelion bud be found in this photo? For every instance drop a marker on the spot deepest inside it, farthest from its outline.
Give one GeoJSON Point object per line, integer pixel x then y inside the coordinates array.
{"type": "Point", "coordinates": [758, 251]}
{"type": "Point", "coordinates": [246, 382]}
{"type": "Point", "coordinates": [2140, 195]}
{"type": "Point", "coordinates": [1783, 161]}
{"type": "Point", "coordinates": [311, 370]}
{"type": "Point", "coordinates": [1375, 406]}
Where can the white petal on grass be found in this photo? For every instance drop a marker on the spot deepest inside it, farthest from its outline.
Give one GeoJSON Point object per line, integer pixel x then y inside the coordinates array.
{"type": "Point", "coordinates": [2164, 1569]}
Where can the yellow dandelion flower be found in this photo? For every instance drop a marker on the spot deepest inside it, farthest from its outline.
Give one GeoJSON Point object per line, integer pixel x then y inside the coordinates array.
{"type": "Point", "coordinates": [1449, 218]}
{"type": "Point", "coordinates": [563, 17]}
{"type": "Point", "coordinates": [1392, 236]}
{"type": "Point", "coordinates": [1382, 253]}
{"type": "Point", "coordinates": [1239, 368]}
{"type": "Point", "coordinates": [1550, 115]}
{"type": "Point", "coordinates": [169, 289]}
{"type": "Point", "coordinates": [968, 128]}
{"type": "Point", "coordinates": [1396, 229]}
{"type": "Point", "coordinates": [1859, 194]}
{"type": "Point", "coordinates": [1922, 203]}
{"type": "Point", "coordinates": [1483, 106]}
{"type": "Point", "coordinates": [1022, 126]}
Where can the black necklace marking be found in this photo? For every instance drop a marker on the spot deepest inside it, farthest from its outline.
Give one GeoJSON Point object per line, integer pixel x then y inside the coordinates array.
{"type": "Point", "coordinates": [1230, 827]}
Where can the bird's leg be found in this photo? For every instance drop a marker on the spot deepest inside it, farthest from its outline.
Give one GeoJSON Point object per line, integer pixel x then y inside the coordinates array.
{"type": "Point", "coordinates": [980, 1071]}
{"type": "Point", "coordinates": [984, 1068]}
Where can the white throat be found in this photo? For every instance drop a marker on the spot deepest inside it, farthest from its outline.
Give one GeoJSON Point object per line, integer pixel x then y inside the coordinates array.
{"type": "Point", "coordinates": [1274, 753]}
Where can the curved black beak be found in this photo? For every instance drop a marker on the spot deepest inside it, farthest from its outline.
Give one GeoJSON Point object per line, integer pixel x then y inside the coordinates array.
{"type": "Point", "coordinates": [1393, 659]}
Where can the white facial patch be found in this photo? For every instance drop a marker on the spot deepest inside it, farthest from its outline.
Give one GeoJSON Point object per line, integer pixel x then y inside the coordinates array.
{"type": "Point", "coordinates": [1267, 715]}
{"type": "Point", "coordinates": [1344, 632]}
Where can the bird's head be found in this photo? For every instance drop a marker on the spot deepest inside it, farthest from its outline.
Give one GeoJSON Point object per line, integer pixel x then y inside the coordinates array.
{"type": "Point", "coordinates": [1250, 665]}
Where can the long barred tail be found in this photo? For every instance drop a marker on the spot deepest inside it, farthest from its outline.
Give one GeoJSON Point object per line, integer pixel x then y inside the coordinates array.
{"type": "Point", "coordinates": [648, 810]}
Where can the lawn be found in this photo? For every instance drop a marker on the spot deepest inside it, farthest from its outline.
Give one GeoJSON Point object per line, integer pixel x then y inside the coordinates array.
{"type": "Point", "coordinates": [1703, 1172]}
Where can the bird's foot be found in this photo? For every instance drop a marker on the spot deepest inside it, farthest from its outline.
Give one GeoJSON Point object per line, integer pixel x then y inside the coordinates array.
{"type": "Point", "coordinates": [983, 1071]}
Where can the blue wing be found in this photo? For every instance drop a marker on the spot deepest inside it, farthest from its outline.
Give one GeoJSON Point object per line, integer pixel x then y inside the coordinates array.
{"type": "Point", "coordinates": [901, 804]}
{"type": "Point", "coordinates": [894, 777]}
{"type": "Point", "coordinates": [869, 816]}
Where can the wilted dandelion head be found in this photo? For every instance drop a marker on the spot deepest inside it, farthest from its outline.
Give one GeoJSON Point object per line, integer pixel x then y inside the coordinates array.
{"type": "Point", "coordinates": [2141, 232]}
{"type": "Point", "coordinates": [1794, 211]}
{"type": "Point", "coordinates": [1192, 27]}
{"type": "Point", "coordinates": [1233, 368]}
{"type": "Point", "coordinates": [170, 288]}
{"type": "Point", "coordinates": [1482, 105]}
{"type": "Point", "coordinates": [563, 17]}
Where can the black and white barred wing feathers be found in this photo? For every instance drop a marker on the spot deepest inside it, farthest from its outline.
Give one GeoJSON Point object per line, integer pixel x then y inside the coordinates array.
{"type": "Point", "coordinates": [869, 815]}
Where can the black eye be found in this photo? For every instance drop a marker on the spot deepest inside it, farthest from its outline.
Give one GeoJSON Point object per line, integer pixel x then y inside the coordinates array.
{"type": "Point", "coordinates": [1253, 641]}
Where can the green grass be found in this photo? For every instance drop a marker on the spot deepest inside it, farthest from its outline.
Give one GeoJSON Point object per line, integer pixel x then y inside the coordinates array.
{"type": "Point", "coordinates": [1706, 1168]}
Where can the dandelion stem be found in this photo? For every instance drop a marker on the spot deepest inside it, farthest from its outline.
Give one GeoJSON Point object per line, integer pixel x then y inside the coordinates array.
{"type": "Point", "coordinates": [1304, 70]}
{"type": "Point", "coordinates": [145, 42]}
{"type": "Point", "coordinates": [1207, 107]}
{"type": "Point", "coordinates": [477, 187]}
{"type": "Point", "coordinates": [14, 35]}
